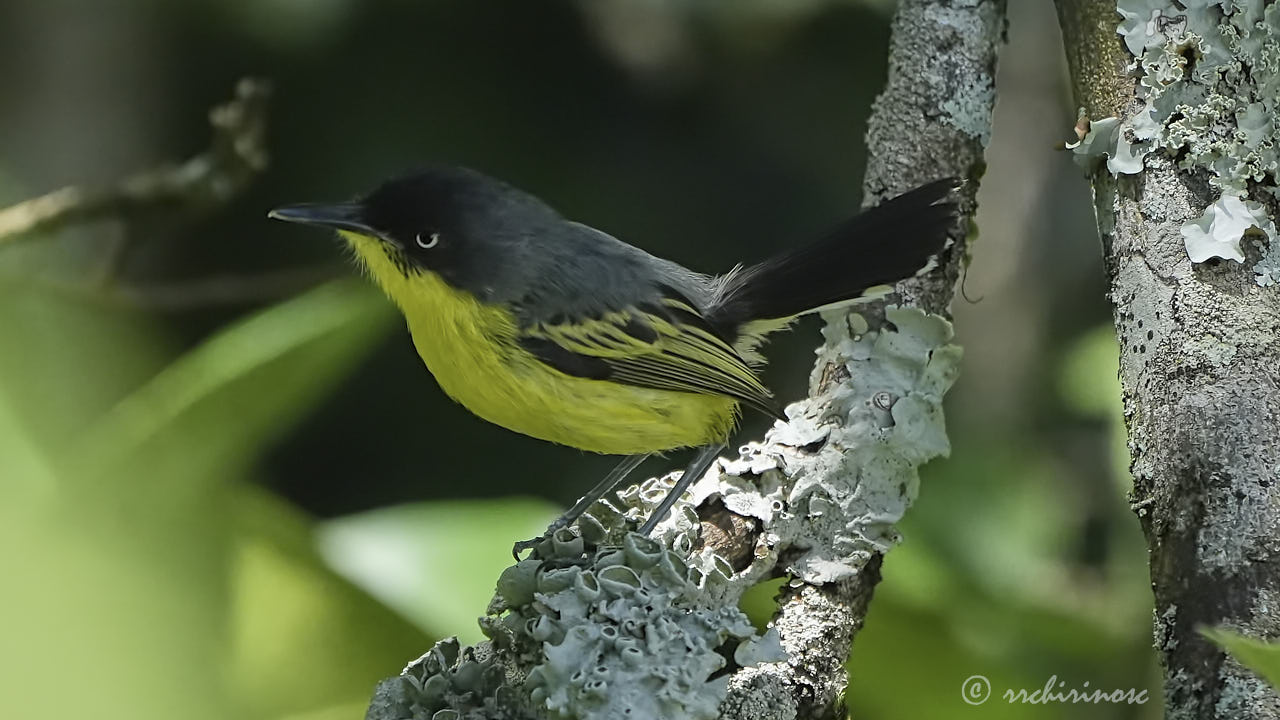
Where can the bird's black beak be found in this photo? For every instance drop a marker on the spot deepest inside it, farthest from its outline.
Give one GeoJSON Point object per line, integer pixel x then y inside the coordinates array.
{"type": "Point", "coordinates": [339, 216]}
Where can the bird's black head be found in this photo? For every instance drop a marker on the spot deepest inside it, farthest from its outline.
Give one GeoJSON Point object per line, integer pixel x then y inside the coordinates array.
{"type": "Point", "coordinates": [454, 222]}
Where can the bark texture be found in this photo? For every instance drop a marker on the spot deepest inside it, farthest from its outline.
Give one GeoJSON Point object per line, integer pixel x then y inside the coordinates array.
{"type": "Point", "coordinates": [816, 500]}
{"type": "Point", "coordinates": [1200, 367]}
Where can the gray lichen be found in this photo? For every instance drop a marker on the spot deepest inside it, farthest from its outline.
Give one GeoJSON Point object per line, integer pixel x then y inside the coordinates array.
{"type": "Point", "coordinates": [625, 630]}
{"type": "Point", "coordinates": [967, 104]}
{"type": "Point", "coordinates": [1222, 227]}
{"type": "Point", "coordinates": [1241, 694]}
{"type": "Point", "coordinates": [1210, 92]}
{"type": "Point", "coordinates": [601, 623]}
{"type": "Point", "coordinates": [449, 682]}
{"type": "Point", "coordinates": [969, 110]}
{"type": "Point", "coordinates": [633, 631]}
{"type": "Point", "coordinates": [805, 483]}
{"type": "Point", "coordinates": [1107, 138]}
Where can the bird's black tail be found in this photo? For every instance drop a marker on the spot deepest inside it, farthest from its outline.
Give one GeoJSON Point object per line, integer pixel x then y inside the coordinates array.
{"type": "Point", "coordinates": [891, 241]}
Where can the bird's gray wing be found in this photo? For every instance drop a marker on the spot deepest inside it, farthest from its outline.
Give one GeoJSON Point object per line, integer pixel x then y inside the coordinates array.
{"type": "Point", "coordinates": [618, 314]}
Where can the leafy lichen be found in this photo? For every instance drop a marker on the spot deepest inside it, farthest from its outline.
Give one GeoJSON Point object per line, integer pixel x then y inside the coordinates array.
{"type": "Point", "coordinates": [1106, 137]}
{"type": "Point", "coordinates": [1210, 86]}
{"type": "Point", "coordinates": [629, 631]}
{"type": "Point", "coordinates": [622, 629]}
{"type": "Point", "coordinates": [1218, 232]}
{"type": "Point", "coordinates": [602, 623]}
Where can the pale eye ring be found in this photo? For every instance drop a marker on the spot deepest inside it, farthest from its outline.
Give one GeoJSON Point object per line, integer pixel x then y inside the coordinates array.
{"type": "Point", "coordinates": [427, 241]}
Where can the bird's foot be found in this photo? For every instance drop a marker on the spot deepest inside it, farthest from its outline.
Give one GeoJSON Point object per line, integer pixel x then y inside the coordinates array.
{"type": "Point", "coordinates": [520, 547]}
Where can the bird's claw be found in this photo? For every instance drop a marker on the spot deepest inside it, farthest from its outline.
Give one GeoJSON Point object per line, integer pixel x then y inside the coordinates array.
{"type": "Point", "coordinates": [521, 546]}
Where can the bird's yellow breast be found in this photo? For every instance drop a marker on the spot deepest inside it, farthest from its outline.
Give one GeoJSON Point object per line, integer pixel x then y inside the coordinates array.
{"type": "Point", "coordinates": [471, 350]}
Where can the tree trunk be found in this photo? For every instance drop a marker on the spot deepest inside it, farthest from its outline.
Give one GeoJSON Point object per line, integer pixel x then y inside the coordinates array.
{"type": "Point", "coordinates": [1200, 346]}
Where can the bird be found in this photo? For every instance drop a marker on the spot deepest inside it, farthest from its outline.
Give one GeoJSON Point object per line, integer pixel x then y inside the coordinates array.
{"type": "Point", "coordinates": [562, 332]}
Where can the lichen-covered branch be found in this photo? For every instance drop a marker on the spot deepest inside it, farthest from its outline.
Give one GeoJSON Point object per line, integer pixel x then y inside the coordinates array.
{"type": "Point", "coordinates": [1186, 208]}
{"type": "Point", "coordinates": [604, 624]}
{"type": "Point", "coordinates": [236, 154]}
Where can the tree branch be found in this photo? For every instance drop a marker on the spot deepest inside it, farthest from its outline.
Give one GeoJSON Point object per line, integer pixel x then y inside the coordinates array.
{"type": "Point", "coordinates": [237, 153]}
{"type": "Point", "coordinates": [610, 625]}
{"type": "Point", "coordinates": [205, 292]}
{"type": "Point", "coordinates": [1199, 341]}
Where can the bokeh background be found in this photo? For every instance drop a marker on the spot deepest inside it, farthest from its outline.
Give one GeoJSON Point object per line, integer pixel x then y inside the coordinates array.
{"type": "Point", "coordinates": [228, 488]}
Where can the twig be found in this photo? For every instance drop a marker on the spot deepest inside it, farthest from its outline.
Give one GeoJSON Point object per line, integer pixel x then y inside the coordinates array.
{"type": "Point", "coordinates": [206, 292]}
{"type": "Point", "coordinates": [237, 153]}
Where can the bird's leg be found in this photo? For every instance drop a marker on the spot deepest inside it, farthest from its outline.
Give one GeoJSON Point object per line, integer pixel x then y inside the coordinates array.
{"type": "Point", "coordinates": [696, 468]}
{"type": "Point", "coordinates": [610, 481]}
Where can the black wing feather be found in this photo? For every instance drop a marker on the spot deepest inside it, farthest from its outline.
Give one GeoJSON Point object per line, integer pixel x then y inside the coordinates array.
{"type": "Point", "coordinates": [891, 241]}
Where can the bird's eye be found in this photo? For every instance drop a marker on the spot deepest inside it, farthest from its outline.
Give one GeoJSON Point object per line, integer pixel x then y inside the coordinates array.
{"type": "Point", "coordinates": [426, 241]}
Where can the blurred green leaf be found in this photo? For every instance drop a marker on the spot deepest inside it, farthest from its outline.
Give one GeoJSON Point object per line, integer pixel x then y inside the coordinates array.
{"type": "Point", "coordinates": [1089, 383]}
{"type": "Point", "coordinates": [759, 602]}
{"type": "Point", "coordinates": [109, 607]}
{"type": "Point", "coordinates": [100, 619]}
{"type": "Point", "coordinates": [435, 562]}
{"type": "Point", "coordinates": [347, 711]}
{"type": "Point", "coordinates": [1089, 380]}
{"type": "Point", "coordinates": [1257, 655]}
{"type": "Point", "coordinates": [64, 361]}
{"type": "Point", "coordinates": [27, 471]}
{"type": "Point", "coordinates": [213, 409]}
{"type": "Point", "coordinates": [1000, 540]}
{"type": "Point", "coordinates": [912, 658]}
{"type": "Point", "coordinates": [119, 567]}
{"type": "Point", "coordinates": [986, 583]}
{"type": "Point", "coordinates": [907, 664]}
{"type": "Point", "coordinates": [304, 640]}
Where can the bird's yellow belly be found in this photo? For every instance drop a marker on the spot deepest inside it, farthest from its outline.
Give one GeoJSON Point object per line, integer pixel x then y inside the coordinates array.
{"type": "Point", "coordinates": [471, 350]}
{"type": "Point", "coordinates": [517, 391]}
